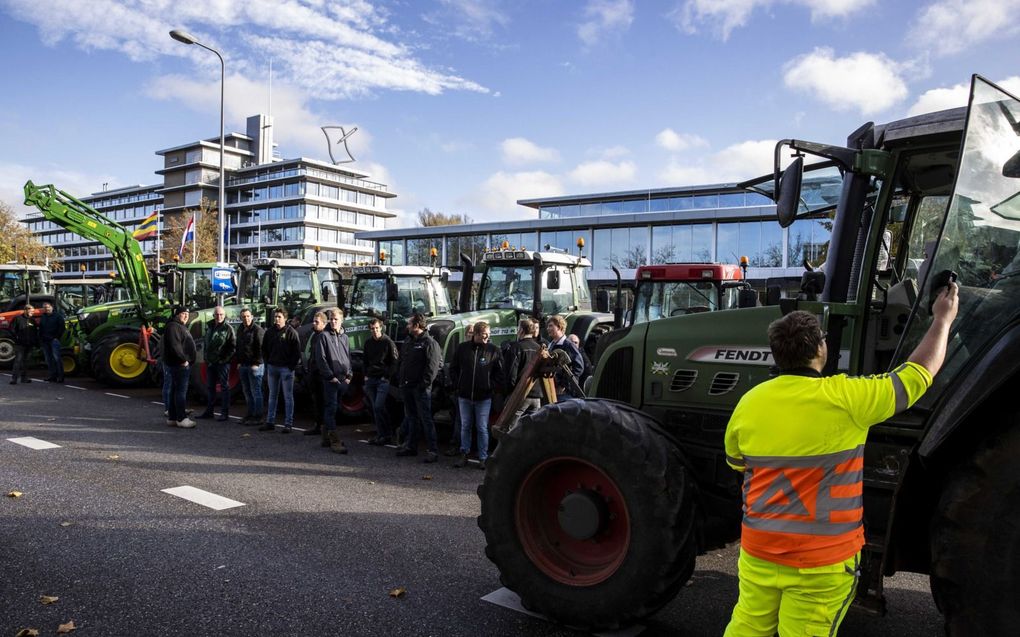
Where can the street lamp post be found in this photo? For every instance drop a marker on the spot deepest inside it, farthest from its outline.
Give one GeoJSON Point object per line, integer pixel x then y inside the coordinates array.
{"type": "Point", "coordinates": [187, 38]}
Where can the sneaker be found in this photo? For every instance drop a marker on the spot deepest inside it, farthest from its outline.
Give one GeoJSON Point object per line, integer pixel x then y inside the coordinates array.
{"type": "Point", "coordinates": [166, 414]}
{"type": "Point", "coordinates": [404, 452]}
{"type": "Point", "coordinates": [187, 423]}
{"type": "Point", "coordinates": [461, 461]}
{"type": "Point", "coordinates": [481, 465]}
{"type": "Point", "coordinates": [430, 456]}
{"type": "Point", "coordinates": [171, 423]}
{"type": "Point", "coordinates": [267, 427]}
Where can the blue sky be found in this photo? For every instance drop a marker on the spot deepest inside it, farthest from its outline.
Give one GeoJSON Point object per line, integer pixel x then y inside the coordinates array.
{"type": "Point", "coordinates": [465, 106]}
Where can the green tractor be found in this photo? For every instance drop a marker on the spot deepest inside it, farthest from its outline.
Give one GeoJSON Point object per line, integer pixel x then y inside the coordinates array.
{"type": "Point", "coordinates": [594, 510]}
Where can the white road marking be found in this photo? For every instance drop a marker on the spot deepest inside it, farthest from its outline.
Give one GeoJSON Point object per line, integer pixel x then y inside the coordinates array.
{"type": "Point", "coordinates": [74, 387]}
{"type": "Point", "coordinates": [115, 395]}
{"type": "Point", "coordinates": [508, 599]}
{"type": "Point", "coordinates": [157, 402]}
{"type": "Point", "coordinates": [33, 443]}
{"type": "Point", "coordinates": [234, 417]}
{"type": "Point", "coordinates": [205, 498]}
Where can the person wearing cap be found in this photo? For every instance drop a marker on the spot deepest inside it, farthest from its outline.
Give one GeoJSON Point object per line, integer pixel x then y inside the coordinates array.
{"type": "Point", "coordinates": [179, 355]}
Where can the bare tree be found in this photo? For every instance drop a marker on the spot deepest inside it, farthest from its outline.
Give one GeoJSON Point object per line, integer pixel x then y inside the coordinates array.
{"type": "Point", "coordinates": [207, 230]}
{"type": "Point", "coordinates": [428, 218]}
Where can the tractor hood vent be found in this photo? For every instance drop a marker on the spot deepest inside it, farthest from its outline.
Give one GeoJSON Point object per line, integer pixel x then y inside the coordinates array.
{"type": "Point", "coordinates": [683, 379]}
{"type": "Point", "coordinates": [723, 383]}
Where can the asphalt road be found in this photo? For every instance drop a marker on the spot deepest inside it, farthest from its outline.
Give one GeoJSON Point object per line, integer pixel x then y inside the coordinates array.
{"type": "Point", "coordinates": [316, 548]}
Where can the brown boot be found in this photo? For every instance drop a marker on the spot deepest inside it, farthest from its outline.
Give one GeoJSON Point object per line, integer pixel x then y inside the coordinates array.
{"type": "Point", "coordinates": [324, 440]}
{"type": "Point", "coordinates": [335, 444]}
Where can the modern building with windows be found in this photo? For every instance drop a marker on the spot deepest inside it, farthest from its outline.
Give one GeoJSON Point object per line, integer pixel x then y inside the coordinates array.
{"type": "Point", "coordinates": [275, 207]}
{"type": "Point", "coordinates": [711, 223]}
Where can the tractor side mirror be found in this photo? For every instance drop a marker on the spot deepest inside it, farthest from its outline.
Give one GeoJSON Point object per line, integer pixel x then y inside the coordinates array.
{"type": "Point", "coordinates": [772, 294]}
{"type": "Point", "coordinates": [325, 291]}
{"type": "Point", "coordinates": [392, 294]}
{"type": "Point", "coordinates": [602, 300]}
{"type": "Point", "coordinates": [747, 298]}
{"type": "Point", "coordinates": [1011, 169]}
{"type": "Point", "coordinates": [444, 278]}
{"type": "Point", "coordinates": [788, 192]}
{"type": "Point", "coordinates": [552, 279]}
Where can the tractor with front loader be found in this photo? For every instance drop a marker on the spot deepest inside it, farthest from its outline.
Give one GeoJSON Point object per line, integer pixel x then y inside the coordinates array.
{"type": "Point", "coordinates": [594, 510]}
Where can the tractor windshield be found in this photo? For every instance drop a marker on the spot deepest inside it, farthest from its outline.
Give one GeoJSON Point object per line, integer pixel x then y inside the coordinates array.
{"type": "Point", "coordinates": [663, 299]}
{"type": "Point", "coordinates": [13, 283]}
{"type": "Point", "coordinates": [507, 287]}
{"type": "Point", "coordinates": [198, 288]}
{"type": "Point", "coordinates": [369, 296]}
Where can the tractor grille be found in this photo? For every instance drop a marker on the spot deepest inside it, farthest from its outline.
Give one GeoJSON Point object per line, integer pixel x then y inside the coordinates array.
{"type": "Point", "coordinates": [723, 383]}
{"type": "Point", "coordinates": [683, 379]}
{"type": "Point", "coordinates": [615, 380]}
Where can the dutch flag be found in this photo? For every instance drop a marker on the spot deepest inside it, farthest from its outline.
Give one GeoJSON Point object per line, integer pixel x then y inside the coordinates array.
{"type": "Point", "coordinates": [189, 235]}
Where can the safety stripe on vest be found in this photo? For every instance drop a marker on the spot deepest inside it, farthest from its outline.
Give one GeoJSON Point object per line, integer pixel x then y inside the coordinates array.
{"type": "Point", "coordinates": [736, 462]}
{"type": "Point", "coordinates": [902, 399]}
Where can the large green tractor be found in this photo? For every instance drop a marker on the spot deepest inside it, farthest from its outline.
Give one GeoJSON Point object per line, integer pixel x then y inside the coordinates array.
{"type": "Point", "coordinates": [594, 510]}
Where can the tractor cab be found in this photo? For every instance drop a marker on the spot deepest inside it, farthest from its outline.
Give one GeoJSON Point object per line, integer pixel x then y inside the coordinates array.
{"type": "Point", "coordinates": [20, 282]}
{"type": "Point", "coordinates": [392, 293]}
{"type": "Point", "coordinates": [292, 284]}
{"type": "Point", "coordinates": [538, 283]}
{"type": "Point", "coordinates": [675, 289]}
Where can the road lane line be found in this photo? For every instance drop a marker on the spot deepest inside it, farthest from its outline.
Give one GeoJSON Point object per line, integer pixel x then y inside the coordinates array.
{"type": "Point", "coordinates": [115, 395]}
{"type": "Point", "coordinates": [205, 498]}
{"type": "Point", "coordinates": [508, 599]}
{"type": "Point", "coordinates": [33, 443]}
{"type": "Point", "coordinates": [75, 387]}
{"type": "Point", "coordinates": [157, 402]}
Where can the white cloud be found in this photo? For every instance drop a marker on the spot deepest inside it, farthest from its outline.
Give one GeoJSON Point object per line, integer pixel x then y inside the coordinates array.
{"type": "Point", "coordinates": [471, 20]}
{"type": "Point", "coordinates": [737, 162]}
{"type": "Point", "coordinates": [676, 142]}
{"type": "Point", "coordinates": [938, 99]}
{"type": "Point", "coordinates": [519, 151]}
{"type": "Point", "coordinates": [604, 175]}
{"type": "Point", "coordinates": [496, 199]}
{"type": "Point", "coordinates": [723, 16]}
{"type": "Point", "coordinates": [79, 184]}
{"type": "Point", "coordinates": [950, 26]}
{"type": "Point", "coordinates": [603, 18]}
{"type": "Point", "coordinates": [867, 82]}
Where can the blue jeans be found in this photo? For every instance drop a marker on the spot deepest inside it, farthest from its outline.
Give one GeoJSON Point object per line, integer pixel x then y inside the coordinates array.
{"type": "Point", "coordinates": [217, 374]}
{"type": "Point", "coordinates": [179, 376]}
{"type": "Point", "coordinates": [474, 413]}
{"type": "Point", "coordinates": [331, 395]}
{"type": "Point", "coordinates": [251, 385]}
{"type": "Point", "coordinates": [167, 386]}
{"type": "Point", "coordinates": [376, 391]}
{"type": "Point", "coordinates": [54, 362]}
{"type": "Point", "coordinates": [281, 377]}
{"type": "Point", "coordinates": [418, 407]}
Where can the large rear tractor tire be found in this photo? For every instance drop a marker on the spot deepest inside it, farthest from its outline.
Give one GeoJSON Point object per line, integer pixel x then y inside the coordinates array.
{"type": "Point", "coordinates": [589, 513]}
{"type": "Point", "coordinates": [6, 349]}
{"type": "Point", "coordinates": [198, 389]}
{"type": "Point", "coordinates": [975, 543]}
{"type": "Point", "coordinates": [119, 362]}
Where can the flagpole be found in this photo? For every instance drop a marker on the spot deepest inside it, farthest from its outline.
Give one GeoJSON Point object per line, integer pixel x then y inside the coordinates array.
{"type": "Point", "coordinates": [194, 240]}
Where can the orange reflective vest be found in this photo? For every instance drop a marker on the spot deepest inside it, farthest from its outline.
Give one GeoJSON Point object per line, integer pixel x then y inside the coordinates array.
{"type": "Point", "coordinates": [799, 439]}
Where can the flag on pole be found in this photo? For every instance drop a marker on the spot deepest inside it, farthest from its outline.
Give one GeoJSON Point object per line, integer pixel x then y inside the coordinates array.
{"type": "Point", "coordinates": [147, 228]}
{"type": "Point", "coordinates": [189, 235]}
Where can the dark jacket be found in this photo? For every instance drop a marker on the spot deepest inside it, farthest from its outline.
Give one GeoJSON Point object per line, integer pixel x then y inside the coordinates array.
{"type": "Point", "coordinates": [576, 363]}
{"type": "Point", "coordinates": [249, 344]}
{"type": "Point", "coordinates": [476, 370]}
{"type": "Point", "coordinates": [380, 357]}
{"type": "Point", "coordinates": [517, 358]}
{"type": "Point", "coordinates": [331, 355]}
{"type": "Point", "coordinates": [26, 334]}
{"type": "Point", "coordinates": [420, 360]}
{"type": "Point", "coordinates": [281, 347]}
{"type": "Point", "coordinates": [51, 326]}
{"type": "Point", "coordinates": [178, 345]}
{"type": "Point", "coordinates": [219, 342]}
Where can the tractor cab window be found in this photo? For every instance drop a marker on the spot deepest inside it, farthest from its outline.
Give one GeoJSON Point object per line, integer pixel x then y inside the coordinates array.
{"type": "Point", "coordinates": [663, 299]}
{"type": "Point", "coordinates": [412, 296]}
{"type": "Point", "coordinates": [369, 296]}
{"type": "Point", "coordinates": [579, 280]}
{"type": "Point", "coordinates": [508, 287]}
{"type": "Point", "coordinates": [561, 299]}
{"type": "Point", "coordinates": [440, 296]}
{"type": "Point", "coordinates": [198, 288]}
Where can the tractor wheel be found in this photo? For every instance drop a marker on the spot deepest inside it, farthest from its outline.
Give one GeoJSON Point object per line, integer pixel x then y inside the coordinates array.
{"type": "Point", "coordinates": [589, 513]}
{"type": "Point", "coordinates": [70, 363]}
{"type": "Point", "coordinates": [975, 541]}
{"type": "Point", "coordinates": [6, 349]}
{"type": "Point", "coordinates": [117, 360]}
{"type": "Point", "coordinates": [198, 390]}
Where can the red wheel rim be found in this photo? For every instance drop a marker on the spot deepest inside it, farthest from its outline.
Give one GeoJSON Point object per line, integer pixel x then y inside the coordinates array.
{"type": "Point", "coordinates": [558, 554]}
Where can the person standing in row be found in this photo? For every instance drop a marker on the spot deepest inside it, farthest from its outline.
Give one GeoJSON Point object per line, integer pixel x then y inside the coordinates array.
{"type": "Point", "coordinates": [476, 370]}
{"type": "Point", "coordinates": [26, 336]}
{"type": "Point", "coordinates": [250, 367]}
{"type": "Point", "coordinates": [282, 352]}
{"type": "Point", "coordinates": [314, 381]}
{"type": "Point", "coordinates": [219, 346]}
{"type": "Point", "coordinates": [331, 355]}
{"type": "Point", "coordinates": [556, 328]}
{"type": "Point", "coordinates": [51, 329]}
{"type": "Point", "coordinates": [588, 369]}
{"type": "Point", "coordinates": [380, 364]}
{"type": "Point", "coordinates": [522, 351]}
{"type": "Point", "coordinates": [178, 355]}
{"type": "Point", "coordinates": [420, 360]}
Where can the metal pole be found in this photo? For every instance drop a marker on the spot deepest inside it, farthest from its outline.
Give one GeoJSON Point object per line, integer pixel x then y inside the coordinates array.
{"type": "Point", "coordinates": [223, 199]}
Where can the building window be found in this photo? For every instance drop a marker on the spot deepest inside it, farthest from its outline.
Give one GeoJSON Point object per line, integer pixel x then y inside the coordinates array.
{"type": "Point", "coordinates": [620, 247]}
{"type": "Point", "coordinates": [808, 239]}
{"type": "Point", "coordinates": [688, 243]}
{"type": "Point", "coordinates": [565, 240]}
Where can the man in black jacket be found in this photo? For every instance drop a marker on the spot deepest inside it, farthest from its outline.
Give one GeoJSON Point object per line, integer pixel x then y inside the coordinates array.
{"type": "Point", "coordinates": [524, 350]}
{"type": "Point", "coordinates": [380, 355]}
{"type": "Point", "coordinates": [331, 357]}
{"type": "Point", "coordinates": [26, 336]}
{"type": "Point", "coordinates": [51, 328]}
{"type": "Point", "coordinates": [218, 345]}
{"type": "Point", "coordinates": [420, 360]}
{"type": "Point", "coordinates": [556, 329]}
{"type": "Point", "coordinates": [178, 355]}
{"type": "Point", "coordinates": [281, 349]}
{"type": "Point", "coordinates": [249, 366]}
{"type": "Point", "coordinates": [476, 370]}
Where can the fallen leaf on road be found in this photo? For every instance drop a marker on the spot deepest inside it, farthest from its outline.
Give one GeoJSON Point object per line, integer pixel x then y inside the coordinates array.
{"type": "Point", "coordinates": [65, 523]}
{"type": "Point", "coordinates": [51, 419]}
{"type": "Point", "coordinates": [426, 477]}
{"type": "Point", "coordinates": [66, 628]}
{"type": "Point", "coordinates": [246, 435]}
{"type": "Point", "coordinates": [397, 593]}
{"type": "Point", "coordinates": [113, 457]}
{"type": "Point", "coordinates": [28, 632]}
{"type": "Point", "coordinates": [371, 481]}
{"type": "Point", "coordinates": [15, 494]}
{"type": "Point", "coordinates": [47, 599]}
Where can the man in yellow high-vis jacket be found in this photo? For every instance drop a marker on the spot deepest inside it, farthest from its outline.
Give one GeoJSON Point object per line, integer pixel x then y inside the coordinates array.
{"type": "Point", "coordinates": [799, 439]}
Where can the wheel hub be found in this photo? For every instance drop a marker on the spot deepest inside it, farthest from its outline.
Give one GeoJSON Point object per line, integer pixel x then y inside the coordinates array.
{"type": "Point", "coordinates": [582, 514]}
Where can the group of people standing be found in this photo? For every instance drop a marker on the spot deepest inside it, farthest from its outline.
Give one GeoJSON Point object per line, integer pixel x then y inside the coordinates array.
{"type": "Point", "coordinates": [44, 334]}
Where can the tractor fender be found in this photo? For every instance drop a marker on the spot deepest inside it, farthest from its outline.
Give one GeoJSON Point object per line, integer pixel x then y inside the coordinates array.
{"type": "Point", "coordinates": [583, 326]}
{"type": "Point", "coordinates": [982, 380]}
